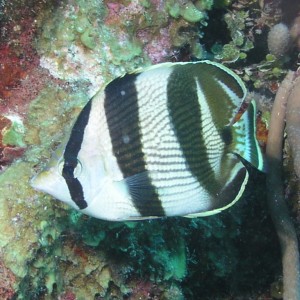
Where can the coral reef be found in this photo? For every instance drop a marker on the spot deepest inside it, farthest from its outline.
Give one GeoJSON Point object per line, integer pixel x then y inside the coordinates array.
{"type": "Point", "coordinates": [80, 36]}
{"type": "Point", "coordinates": [54, 55]}
{"type": "Point", "coordinates": [187, 10]}
{"type": "Point", "coordinates": [239, 44]}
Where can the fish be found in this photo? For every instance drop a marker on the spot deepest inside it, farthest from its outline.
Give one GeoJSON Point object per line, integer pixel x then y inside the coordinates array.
{"type": "Point", "coordinates": [158, 142]}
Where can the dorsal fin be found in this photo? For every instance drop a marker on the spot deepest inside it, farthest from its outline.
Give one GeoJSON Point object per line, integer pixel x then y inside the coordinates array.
{"type": "Point", "coordinates": [244, 142]}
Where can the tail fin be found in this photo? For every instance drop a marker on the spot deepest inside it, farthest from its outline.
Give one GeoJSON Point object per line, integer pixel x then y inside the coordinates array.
{"type": "Point", "coordinates": [245, 143]}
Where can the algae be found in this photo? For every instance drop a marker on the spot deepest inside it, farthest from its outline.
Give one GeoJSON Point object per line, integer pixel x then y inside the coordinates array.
{"type": "Point", "coordinates": [14, 134]}
{"type": "Point", "coordinates": [190, 13]}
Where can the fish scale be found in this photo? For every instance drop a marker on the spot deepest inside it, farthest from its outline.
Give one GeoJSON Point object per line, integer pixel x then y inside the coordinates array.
{"type": "Point", "coordinates": [188, 128]}
{"type": "Point", "coordinates": [212, 140]}
{"type": "Point", "coordinates": [157, 160]}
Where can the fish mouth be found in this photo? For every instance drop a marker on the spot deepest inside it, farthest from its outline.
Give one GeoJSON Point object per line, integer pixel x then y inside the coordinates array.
{"type": "Point", "coordinates": [40, 181]}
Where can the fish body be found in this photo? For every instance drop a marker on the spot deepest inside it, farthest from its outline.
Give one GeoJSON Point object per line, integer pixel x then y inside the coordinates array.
{"type": "Point", "coordinates": [158, 142]}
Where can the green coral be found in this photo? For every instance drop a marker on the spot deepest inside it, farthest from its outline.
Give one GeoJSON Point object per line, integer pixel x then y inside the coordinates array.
{"type": "Point", "coordinates": [88, 38]}
{"type": "Point", "coordinates": [145, 3]}
{"type": "Point", "coordinates": [16, 236]}
{"type": "Point", "coordinates": [177, 261]}
{"type": "Point", "coordinates": [14, 134]}
{"type": "Point", "coordinates": [204, 5]}
{"type": "Point", "coordinates": [239, 45]}
{"type": "Point", "coordinates": [79, 28]}
{"type": "Point", "coordinates": [174, 10]}
{"type": "Point", "coordinates": [188, 10]}
{"type": "Point", "coordinates": [222, 3]}
{"type": "Point", "coordinates": [190, 13]}
{"type": "Point", "coordinates": [228, 53]}
{"type": "Point", "coordinates": [269, 70]}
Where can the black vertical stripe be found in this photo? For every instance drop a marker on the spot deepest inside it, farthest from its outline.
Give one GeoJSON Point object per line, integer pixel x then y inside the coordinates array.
{"type": "Point", "coordinates": [70, 157]}
{"type": "Point", "coordinates": [222, 106]}
{"type": "Point", "coordinates": [185, 113]}
{"type": "Point", "coordinates": [121, 110]}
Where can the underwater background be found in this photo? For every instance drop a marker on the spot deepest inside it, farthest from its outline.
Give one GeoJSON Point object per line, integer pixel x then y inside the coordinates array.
{"type": "Point", "coordinates": [55, 55]}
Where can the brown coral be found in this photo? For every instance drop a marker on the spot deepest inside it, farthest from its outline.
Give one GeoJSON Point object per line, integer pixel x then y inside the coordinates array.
{"type": "Point", "coordinates": [7, 280]}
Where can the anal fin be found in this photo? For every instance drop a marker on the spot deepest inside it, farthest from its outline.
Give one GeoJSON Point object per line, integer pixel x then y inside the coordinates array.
{"type": "Point", "coordinates": [229, 194]}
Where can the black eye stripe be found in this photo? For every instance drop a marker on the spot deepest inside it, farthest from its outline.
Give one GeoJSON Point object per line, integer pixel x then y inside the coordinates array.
{"type": "Point", "coordinates": [70, 157]}
{"type": "Point", "coordinates": [74, 185]}
{"type": "Point", "coordinates": [68, 172]}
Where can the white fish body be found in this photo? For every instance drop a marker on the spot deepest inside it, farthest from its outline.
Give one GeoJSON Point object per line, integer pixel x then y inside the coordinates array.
{"type": "Point", "coordinates": [158, 142]}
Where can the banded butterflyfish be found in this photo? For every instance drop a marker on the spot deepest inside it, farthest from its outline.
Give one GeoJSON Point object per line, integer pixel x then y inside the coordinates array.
{"type": "Point", "coordinates": [158, 142]}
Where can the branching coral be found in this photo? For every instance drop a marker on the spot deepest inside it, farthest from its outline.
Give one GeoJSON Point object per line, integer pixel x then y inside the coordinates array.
{"type": "Point", "coordinates": [278, 208]}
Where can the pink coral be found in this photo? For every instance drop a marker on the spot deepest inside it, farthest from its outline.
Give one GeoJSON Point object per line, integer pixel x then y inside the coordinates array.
{"type": "Point", "coordinates": [67, 296]}
{"type": "Point", "coordinates": [21, 77]}
{"type": "Point", "coordinates": [157, 47]}
{"type": "Point", "coordinates": [155, 40]}
{"type": "Point", "coordinates": [126, 13]}
{"type": "Point", "coordinates": [145, 290]}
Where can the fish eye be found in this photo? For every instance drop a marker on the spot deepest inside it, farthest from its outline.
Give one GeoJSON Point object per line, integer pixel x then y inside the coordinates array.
{"type": "Point", "coordinates": [77, 170]}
